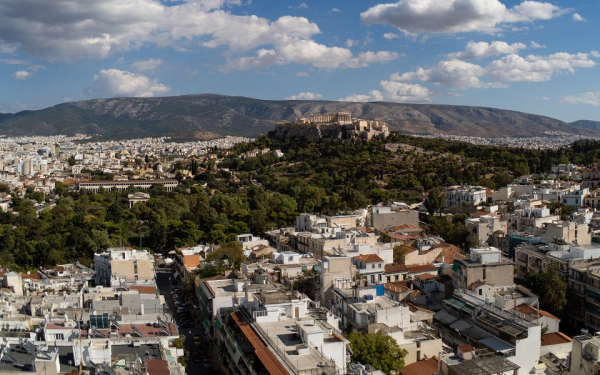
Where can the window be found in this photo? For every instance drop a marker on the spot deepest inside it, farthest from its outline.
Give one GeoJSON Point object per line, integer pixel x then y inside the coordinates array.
{"type": "Point", "coordinates": [59, 336]}
{"type": "Point", "coordinates": [484, 273]}
{"type": "Point", "coordinates": [372, 265]}
{"type": "Point", "coordinates": [379, 265]}
{"type": "Point", "coordinates": [396, 278]}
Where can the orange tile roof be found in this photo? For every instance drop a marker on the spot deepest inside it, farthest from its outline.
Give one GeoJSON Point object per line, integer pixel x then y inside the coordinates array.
{"type": "Point", "coordinates": [157, 367]}
{"type": "Point", "coordinates": [555, 339]}
{"type": "Point", "coordinates": [426, 367]}
{"type": "Point", "coordinates": [425, 276]}
{"type": "Point", "coordinates": [192, 260]}
{"type": "Point", "coordinates": [144, 289]}
{"type": "Point", "coordinates": [394, 268]}
{"type": "Point", "coordinates": [449, 255]}
{"type": "Point", "coordinates": [33, 276]}
{"type": "Point", "coordinates": [533, 311]}
{"type": "Point", "coordinates": [466, 348]}
{"type": "Point", "coordinates": [369, 258]}
{"type": "Point", "coordinates": [395, 287]}
{"type": "Point", "coordinates": [267, 357]}
{"type": "Point", "coordinates": [424, 268]}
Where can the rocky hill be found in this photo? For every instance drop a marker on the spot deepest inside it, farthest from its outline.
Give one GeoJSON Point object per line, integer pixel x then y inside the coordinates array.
{"type": "Point", "coordinates": [210, 115]}
{"type": "Point", "coordinates": [586, 124]}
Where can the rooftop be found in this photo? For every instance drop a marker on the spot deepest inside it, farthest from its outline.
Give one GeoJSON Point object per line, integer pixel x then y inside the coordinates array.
{"type": "Point", "coordinates": [555, 339]}
{"type": "Point", "coordinates": [489, 365]}
{"type": "Point", "coordinates": [425, 367]}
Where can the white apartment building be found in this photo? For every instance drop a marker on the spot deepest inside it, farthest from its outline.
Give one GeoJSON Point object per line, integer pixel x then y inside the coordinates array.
{"type": "Point", "coordinates": [465, 195]}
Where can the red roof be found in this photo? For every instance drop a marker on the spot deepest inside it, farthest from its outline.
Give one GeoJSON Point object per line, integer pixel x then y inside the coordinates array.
{"type": "Point", "coordinates": [555, 339]}
{"type": "Point", "coordinates": [268, 359]}
{"type": "Point", "coordinates": [426, 367]}
{"type": "Point", "coordinates": [449, 252]}
{"type": "Point", "coordinates": [33, 276]}
{"type": "Point", "coordinates": [424, 268]}
{"type": "Point", "coordinates": [466, 348]}
{"type": "Point", "coordinates": [395, 268]}
{"type": "Point", "coordinates": [425, 276]}
{"type": "Point", "coordinates": [157, 367]}
{"type": "Point", "coordinates": [533, 311]}
{"type": "Point", "coordinates": [369, 258]}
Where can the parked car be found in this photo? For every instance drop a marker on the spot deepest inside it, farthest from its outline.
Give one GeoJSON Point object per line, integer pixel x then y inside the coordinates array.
{"type": "Point", "coordinates": [197, 340]}
{"type": "Point", "coordinates": [197, 357]}
{"type": "Point", "coordinates": [207, 364]}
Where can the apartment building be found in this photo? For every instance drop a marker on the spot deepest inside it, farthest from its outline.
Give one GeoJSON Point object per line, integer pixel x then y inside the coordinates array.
{"type": "Point", "coordinates": [120, 266]}
{"type": "Point", "coordinates": [465, 320]}
{"type": "Point", "coordinates": [460, 195]}
{"type": "Point", "coordinates": [485, 266]}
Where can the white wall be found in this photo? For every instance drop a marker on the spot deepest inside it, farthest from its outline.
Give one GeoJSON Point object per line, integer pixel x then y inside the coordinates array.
{"type": "Point", "coordinates": [528, 350]}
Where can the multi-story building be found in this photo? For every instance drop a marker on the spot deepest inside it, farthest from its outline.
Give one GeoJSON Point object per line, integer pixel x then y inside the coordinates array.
{"type": "Point", "coordinates": [123, 266]}
{"type": "Point", "coordinates": [95, 186]}
{"type": "Point", "coordinates": [484, 226]}
{"type": "Point", "coordinates": [585, 357]}
{"type": "Point", "coordinates": [465, 320]}
{"type": "Point", "coordinates": [333, 269]}
{"type": "Point", "coordinates": [370, 268]}
{"type": "Point", "coordinates": [465, 195]}
{"type": "Point", "coordinates": [484, 266]}
{"type": "Point", "coordinates": [386, 217]}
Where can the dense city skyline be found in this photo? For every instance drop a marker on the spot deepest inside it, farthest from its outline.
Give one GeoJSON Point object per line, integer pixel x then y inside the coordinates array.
{"type": "Point", "coordinates": [530, 56]}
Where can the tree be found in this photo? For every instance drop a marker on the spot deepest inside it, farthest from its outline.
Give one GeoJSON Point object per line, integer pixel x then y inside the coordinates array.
{"type": "Point", "coordinates": [551, 288]}
{"type": "Point", "coordinates": [435, 201]}
{"type": "Point", "coordinates": [554, 292]}
{"type": "Point", "coordinates": [381, 352]}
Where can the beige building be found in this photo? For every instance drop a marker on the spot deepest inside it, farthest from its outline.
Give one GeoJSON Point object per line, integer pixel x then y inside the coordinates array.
{"type": "Point", "coordinates": [124, 266]}
{"type": "Point", "coordinates": [334, 270]}
{"type": "Point", "coordinates": [485, 266]}
{"type": "Point", "coordinates": [385, 217]}
{"type": "Point", "coordinates": [568, 231]}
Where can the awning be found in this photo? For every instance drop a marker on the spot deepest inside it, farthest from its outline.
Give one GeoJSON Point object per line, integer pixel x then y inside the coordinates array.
{"type": "Point", "coordinates": [461, 325]}
{"type": "Point", "coordinates": [497, 345]}
{"type": "Point", "coordinates": [445, 317]}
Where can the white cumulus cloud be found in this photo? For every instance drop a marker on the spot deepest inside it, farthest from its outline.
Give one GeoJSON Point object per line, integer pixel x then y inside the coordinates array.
{"type": "Point", "coordinates": [589, 98]}
{"type": "Point", "coordinates": [578, 18]}
{"type": "Point", "coordinates": [537, 45]}
{"type": "Point", "coordinates": [305, 96]}
{"type": "Point", "coordinates": [392, 91]}
{"type": "Point", "coordinates": [533, 68]}
{"type": "Point", "coordinates": [22, 74]}
{"type": "Point", "coordinates": [479, 50]}
{"type": "Point", "coordinates": [459, 74]}
{"type": "Point", "coordinates": [452, 73]}
{"type": "Point", "coordinates": [456, 16]}
{"type": "Point", "coordinates": [309, 52]}
{"type": "Point", "coordinates": [114, 82]}
{"type": "Point", "coordinates": [146, 65]}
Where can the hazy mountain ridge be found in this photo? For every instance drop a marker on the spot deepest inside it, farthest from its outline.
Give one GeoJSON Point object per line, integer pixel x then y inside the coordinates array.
{"type": "Point", "coordinates": [198, 116]}
{"type": "Point", "coordinates": [588, 124]}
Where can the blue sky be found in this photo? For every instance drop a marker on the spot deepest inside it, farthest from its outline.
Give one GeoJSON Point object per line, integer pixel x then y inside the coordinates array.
{"type": "Point", "coordinates": [531, 56]}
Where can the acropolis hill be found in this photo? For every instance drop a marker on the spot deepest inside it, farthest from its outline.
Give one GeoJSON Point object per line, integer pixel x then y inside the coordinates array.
{"type": "Point", "coordinates": [338, 125]}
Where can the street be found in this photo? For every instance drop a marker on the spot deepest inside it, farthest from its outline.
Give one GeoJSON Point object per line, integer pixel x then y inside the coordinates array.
{"type": "Point", "coordinates": [164, 283]}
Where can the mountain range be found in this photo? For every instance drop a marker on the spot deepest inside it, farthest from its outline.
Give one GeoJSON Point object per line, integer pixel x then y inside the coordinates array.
{"type": "Point", "coordinates": [207, 116]}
